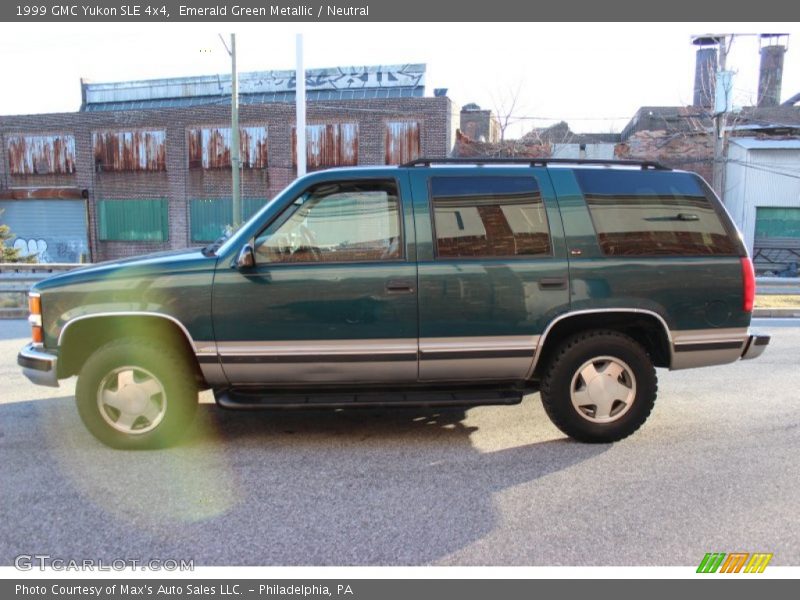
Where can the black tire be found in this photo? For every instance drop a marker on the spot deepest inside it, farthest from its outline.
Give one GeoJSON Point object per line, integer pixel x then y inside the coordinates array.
{"type": "Point", "coordinates": [147, 364]}
{"type": "Point", "coordinates": [601, 349]}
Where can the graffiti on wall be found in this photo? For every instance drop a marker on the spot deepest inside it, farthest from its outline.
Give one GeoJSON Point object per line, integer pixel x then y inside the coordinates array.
{"type": "Point", "coordinates": [52, 251]}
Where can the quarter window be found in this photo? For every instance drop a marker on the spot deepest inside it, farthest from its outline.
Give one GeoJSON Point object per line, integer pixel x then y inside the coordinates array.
{"type": "Point", "coordinates": [645, 213]}
{"type": "Point", "coordinates": [485, 217]}
{"type": "Point", "coordinates": [336, 222]}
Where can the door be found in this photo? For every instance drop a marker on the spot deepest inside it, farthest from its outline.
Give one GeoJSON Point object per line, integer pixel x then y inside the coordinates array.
{"type": "Point", "coordinates": [332, 298]}
{"type": "Point", "coordinates": [494, 273]}
{"type": "Point", "coordinates": [53, 230]}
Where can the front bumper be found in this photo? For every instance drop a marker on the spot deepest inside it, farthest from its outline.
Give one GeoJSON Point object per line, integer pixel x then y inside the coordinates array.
{"type": "Point", "coordinates": [38, 365]}
{"type": "Point", "coordinates": [755, 346]}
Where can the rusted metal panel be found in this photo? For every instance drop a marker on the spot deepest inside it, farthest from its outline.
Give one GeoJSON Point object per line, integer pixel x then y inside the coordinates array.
{"type": "Point", "coordinates": [46, 193]}
{"type": "Point", "coordinates": [254, 147]}
{"type": "Point", "coordinates": [329, 145]}
{"type": "Point", "coordinates": [348, 144]}
{"type": "Point", "coordinates": [210, 147]}
{"type": "Point", "coordinates": [41, 154]}
{"type": "Point", "coordinates": [402, 142]}
{"type": "Point", "coordinates": [130, 150]}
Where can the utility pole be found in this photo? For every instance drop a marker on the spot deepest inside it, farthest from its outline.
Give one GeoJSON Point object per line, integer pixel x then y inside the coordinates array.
{"type": "Point", "coordinates": [236, 150]}
{"type": "Point", "coordinates": [236, 147]}
{"type": "Point", "coordinates": [300, 106]}
{"type": "Point", "coordinates": [720, 115]}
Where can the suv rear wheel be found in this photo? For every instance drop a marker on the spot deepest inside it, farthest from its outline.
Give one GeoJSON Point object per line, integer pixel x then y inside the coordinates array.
{"type": "Point", "coordinates": [599, 387]}
{"type": "Point", "coordinates": [136, 394]}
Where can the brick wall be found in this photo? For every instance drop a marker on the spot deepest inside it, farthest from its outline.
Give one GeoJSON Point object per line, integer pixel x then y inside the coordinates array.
{"type": "Point", "coordinates": [179, 184]}
{"type": "Point", "coordinates": [688, 151]}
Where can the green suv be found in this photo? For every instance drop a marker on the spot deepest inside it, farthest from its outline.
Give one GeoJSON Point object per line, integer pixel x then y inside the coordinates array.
{"type": "Point", "coordinates": [438, 282]}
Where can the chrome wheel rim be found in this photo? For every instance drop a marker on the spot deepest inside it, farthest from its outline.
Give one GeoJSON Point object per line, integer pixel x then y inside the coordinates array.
{"type": "Point", "coordinates": [603, 389]}
{"type": "Point", "coordinates": [132, 400]}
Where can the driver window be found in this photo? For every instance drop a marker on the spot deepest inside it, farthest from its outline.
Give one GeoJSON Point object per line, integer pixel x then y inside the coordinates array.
{"type": "Point", "coordinates": [336, 222]}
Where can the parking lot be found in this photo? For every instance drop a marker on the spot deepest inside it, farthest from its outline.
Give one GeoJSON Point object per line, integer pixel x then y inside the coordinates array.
{"type": "Point", "coordinates": [714, 469]}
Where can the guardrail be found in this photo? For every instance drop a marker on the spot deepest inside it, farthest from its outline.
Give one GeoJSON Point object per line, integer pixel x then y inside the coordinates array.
{"type": "Point", "coordinates": [778, 285]}
{"type": "Point", "coordinates": [17, 278]}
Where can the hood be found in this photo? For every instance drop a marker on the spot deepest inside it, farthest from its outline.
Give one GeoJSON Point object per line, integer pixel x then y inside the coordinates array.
{"type": "Point", "coordinates": [148, 265]}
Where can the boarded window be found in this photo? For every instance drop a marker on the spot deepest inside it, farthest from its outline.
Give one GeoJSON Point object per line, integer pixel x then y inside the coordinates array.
{"type": "Point", "coordinates": [484, 217]}
{"type": "Point", "coordinates": [337, 222]}
{"type": "Point", "coordinates": [210, 217]}
{"type": "Point", "coordinates": [210, 147]}
{"type": "Point", "coordinates": [329, 145]}
{"type": "Point", "coordinates": [41, 154]}
{"type": "Point", "coordinates": [133, 220]}
{"type": "Point", "coordinates": [644, 213]}
{"type": "Point", "coordinates": [402, 142]}
{"type": "Point", "coordinates": [130, 150]}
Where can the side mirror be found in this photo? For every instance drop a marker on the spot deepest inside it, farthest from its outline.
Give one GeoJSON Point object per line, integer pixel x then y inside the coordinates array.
{"type": "Point", "coordinates": [246, 258]}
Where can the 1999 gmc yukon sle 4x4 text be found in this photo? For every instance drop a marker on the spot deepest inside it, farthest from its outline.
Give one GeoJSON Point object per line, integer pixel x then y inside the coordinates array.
{"type": "Point", "coordinates": [432, 283]}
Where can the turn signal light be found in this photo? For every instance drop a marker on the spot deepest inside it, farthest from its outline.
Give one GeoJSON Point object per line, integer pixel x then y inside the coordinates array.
{"type": "Point", "coordinates": [35, 305]}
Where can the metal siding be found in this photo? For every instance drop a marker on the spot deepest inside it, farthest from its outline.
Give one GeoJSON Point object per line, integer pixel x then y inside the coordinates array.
{"type": "Point", "coordinates": [133, 220]}
{"type": "Point", "coordinates": [210, 147]}
{"type": "Point", "coordinates": [770, 178]}
{"type": "Point", "coordinates": [130, 150]}
{"type": "Point", "coordinates": [41, 154]}
{"type": "Point", "coordinates": [56, 230]}
{"type": "Point", "coordinates": [402, 142]}
{"type": "Point", "coordinates": [210, 216]}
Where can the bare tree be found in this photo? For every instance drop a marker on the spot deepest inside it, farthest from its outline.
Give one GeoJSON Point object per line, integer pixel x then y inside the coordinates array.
{"type": "Point", "coordinates": [507, 107]}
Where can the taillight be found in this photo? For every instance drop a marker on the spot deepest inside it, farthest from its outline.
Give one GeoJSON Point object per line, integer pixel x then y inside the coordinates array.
{"type": "Point", "coordinates": [748, 284]}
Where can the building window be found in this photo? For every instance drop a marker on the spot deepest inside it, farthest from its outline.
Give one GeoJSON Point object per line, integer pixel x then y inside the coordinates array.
{"type": "Point", "coordinates": [210, 147]}
{"type": "Point", "coordinates": [210, 217]}
{"type": "Point", "coordinates": [130, 150]}
{"type": "Point", "coordinates": [402, 142]}
{"type": "Point", "coordinates": [329, 145]}
{"type": "Point", "coordinates": [637, 213]}
{"type": "Point", "coordinates": [354, 221]}
{"type": "Point", "coordinates": [487, 217]}
{"type": "Point", "coordinates": [41, 154]}
{"type": "Point", "coordinates": [133, 220]}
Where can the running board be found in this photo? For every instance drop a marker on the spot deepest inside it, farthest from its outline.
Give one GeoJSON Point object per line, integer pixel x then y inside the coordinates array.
{"type": "Point", "coordinates": [245, 399]}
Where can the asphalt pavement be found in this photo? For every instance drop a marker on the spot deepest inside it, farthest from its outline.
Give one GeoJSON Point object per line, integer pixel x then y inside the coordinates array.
{"type": "Point", "coordinates": [714, 469]}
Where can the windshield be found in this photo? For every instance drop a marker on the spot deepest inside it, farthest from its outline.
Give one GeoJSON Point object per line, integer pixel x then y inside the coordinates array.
{"type": "Point", "coordinates": [220, 245]}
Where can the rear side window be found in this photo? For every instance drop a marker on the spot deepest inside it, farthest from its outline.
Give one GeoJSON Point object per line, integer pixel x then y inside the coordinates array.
{"type": "Point", "coordinates": [489, 216]}
{"type": "Point", "coordinates": [645, 213]}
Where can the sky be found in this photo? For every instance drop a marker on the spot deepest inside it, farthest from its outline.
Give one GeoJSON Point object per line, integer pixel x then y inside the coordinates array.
{"type": "Point", "coordinates": [593, 75]}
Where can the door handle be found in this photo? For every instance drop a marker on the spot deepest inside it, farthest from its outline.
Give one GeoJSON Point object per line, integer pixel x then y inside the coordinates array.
{"type": "Point", "coordinates": [399, 286]}
{"type": "Point", "coordinates": [553, 283]}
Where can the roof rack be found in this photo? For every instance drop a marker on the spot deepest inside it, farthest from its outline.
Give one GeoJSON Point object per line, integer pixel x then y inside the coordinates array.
{"type": "Point", "coordinates": [537, 162]}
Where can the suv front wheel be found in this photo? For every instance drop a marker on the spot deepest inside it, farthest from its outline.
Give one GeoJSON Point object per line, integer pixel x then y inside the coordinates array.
{"type": "Point", "coordinates": [599, 387]}
{"type": "Point", "coordinates": [136, 394]}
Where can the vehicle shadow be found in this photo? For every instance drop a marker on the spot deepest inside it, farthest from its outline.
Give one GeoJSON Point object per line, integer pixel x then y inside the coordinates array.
{"type": "Point", "coordinates": [321, 487]}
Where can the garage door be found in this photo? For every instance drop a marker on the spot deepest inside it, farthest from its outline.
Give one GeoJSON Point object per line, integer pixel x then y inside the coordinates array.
{"type": "Point", "coordinates": [53, 230]}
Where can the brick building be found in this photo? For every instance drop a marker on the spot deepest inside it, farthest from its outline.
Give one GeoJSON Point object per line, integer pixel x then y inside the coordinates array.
{"type": "Point", "coordinates": [145, 166]}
